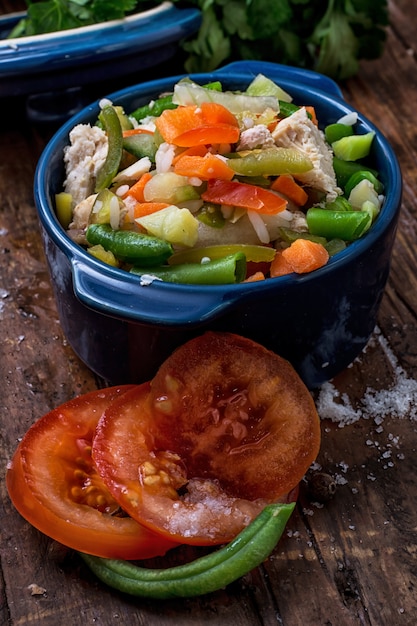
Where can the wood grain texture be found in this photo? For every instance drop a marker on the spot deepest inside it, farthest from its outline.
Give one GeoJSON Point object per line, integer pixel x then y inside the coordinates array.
{"type": "Point", "coordinates": [351, 561]}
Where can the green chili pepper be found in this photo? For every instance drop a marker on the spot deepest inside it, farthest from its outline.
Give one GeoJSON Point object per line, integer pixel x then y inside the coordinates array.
{"type": "Point", "coordinates": [112, 126]}
{"type": "Point", "coordinates": [334, 246]}
{"type": "Point", "coordinates": [252, 252]}
{"type": "Point", "coordinates": [141, 145]}
{"type": "Point", "coordinates": [345, 169]}
{"type": "Point", "coordinates": [130, 246]}
{"type": "Point", "coordinates": [211, 215]}
{"type": "Point", "coordinates": [63, 206]}
{"type": "Point", "coordinates": [154, 108]}
{"type": "Point", "coordinates": [289, 236]}
{"type": "Point", "coordinates": [288, 108]}
{"type": "Point", "coordinates": [227, 270]}
{"type": "Point", "coordinates": [346, 225]}
{"type": "Point", "coordinates": [271, 162]}
{"type": "Point", "coordinates": [124, 120]}
{"type": "Point", "coordinates": [354, 147]}
{"type": "Point", "coordinates": [336, 131]}
{"type": "Point", "coordinates": [206, 574]}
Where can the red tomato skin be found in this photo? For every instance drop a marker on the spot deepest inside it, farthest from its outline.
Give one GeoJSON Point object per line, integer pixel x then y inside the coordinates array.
{"type": "Point", "coordinates": [194, 470]}
{"type": "Point", "coordinates": [38, 484]}
{"type": "Point", "coordinates": [244, 195]}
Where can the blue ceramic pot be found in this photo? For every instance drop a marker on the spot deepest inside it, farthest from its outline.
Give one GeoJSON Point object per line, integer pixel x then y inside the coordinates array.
{"type": "Point", "coordinates": [319, 321]}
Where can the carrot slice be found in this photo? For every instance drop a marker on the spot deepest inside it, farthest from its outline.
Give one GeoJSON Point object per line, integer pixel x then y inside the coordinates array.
{"type": "Point", "coordinates": [279, 266]}
{"type": "Point", "coordinates": [190, 125]}
{"type": "Point", "coordinates": [304, 255]}
{"type": "Point", "coordinates": [147, 208]}
{"type": "Point", "coordinates": [312, 111]}
{"type": "Point", "coordinates": [254, 278]}
{"type": "Point", "coordinates": [286, 185]}
{"type": "Point", "coordinates": [204, 167]}
{"type": "Point", "coordinates": [136, 190]}
{"type": "Point", "coordinates": [137, 131]}
{"type": "Point", "coordinates": [192, 151]}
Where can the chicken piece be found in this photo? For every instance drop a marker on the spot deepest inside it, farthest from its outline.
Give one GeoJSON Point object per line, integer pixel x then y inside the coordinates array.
{"type": "Point", "coordinates": [80, 219]}
{"type": "Point", "coordinates": [256, 137]}
{"type": "Point", "coordinates": [298, 131]}
{"type": "Point", "coordinates": [83, 158]}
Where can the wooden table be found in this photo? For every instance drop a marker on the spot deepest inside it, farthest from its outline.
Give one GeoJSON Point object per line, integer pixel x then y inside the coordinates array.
{"type": "Point", "coordinates": [349, 562]}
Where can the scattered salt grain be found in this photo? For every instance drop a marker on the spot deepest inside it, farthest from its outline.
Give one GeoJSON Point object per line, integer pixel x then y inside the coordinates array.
{"type": "Point", "coordinates": [400, 400]}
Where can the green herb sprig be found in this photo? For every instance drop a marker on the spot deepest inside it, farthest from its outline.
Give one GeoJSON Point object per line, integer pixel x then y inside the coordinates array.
{"type": "Point", "coordinates": [56, 15]}
{"type": "Point", "coordinates": [330, 37]}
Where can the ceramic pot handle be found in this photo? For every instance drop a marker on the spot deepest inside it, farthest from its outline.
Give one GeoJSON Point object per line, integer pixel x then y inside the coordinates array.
{"type": "Point", "coordinates": [157, 303]}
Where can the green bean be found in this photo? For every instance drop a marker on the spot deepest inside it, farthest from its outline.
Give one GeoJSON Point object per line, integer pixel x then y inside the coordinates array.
{"type": "Point", "coordinates": [345, 225]}
{"type": "Point", "coordinates": [206, 574]}
{"type": "Point", "coordinates": [111, 123]}
{"type": "Point", "coordinates": [226, 270]}
{"type": "Point", "coordinates": [130, 246]}
{"type": "Point", "coordinates": [356, 178]}
{"type": "Point", "coordinates": [345, 169]}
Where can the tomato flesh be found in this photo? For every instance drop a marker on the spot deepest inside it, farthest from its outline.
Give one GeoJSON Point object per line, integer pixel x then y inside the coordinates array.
{"type": "Point", "coordinates": [53, 483]}
{"type": "Point", "coordinates": [244, 195]}
{"type": "Point", "coordinates": [225, 427]}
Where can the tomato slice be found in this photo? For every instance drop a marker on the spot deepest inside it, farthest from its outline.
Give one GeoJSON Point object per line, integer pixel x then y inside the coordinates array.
{"type": "Point", "coordinates": [54, 485]}
{"type": "Point", "coordinates": [225, 427]}
{"type": "Point", "coordinates": [244, 195]}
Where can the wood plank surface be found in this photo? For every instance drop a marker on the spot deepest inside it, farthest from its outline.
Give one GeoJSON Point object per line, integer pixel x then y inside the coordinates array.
{"type": "Point", "coordinates": [348, 562]}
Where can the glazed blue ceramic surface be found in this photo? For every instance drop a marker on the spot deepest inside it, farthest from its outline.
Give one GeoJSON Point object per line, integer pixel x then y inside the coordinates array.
{"type": "Point", "coordinates": [91, 53]}
{"type": "Point", "coordinates": [319, 321]}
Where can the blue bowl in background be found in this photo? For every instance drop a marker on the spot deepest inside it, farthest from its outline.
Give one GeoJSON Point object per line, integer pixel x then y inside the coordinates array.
{"type": "Point", "coordinates": [320, 321]}
{"type": "Point", "coordinates": [83, 56]}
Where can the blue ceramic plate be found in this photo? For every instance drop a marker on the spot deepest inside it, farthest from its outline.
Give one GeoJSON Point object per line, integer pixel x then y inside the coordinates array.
{"type": "Point", "coordinates": [92, 53]}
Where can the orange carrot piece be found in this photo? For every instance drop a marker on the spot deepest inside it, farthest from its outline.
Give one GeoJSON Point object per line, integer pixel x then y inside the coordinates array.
{"type": "Point", "coordinates": [137, 131]}
{"type": "Point", "coordinates": [192, 151]}
{"type": "Point", "coordinates": [279, 266]}
{"type": "Point", "coordinates": [204, 167]}
{"type": "Point", "coordinates": [312, 112]}
{"type": "Point", "coordinates": [147, 208]}
{"type": "Point", "coordinates": [208, 134]}
{"type": "Point", "coordinates": [286, 185]}
{"type": "Point", "coordinates": [305, 256]}
{"type": "Point", "coordinates": [136, 190]}
{"type": "Point", "coordinates": [254, 278]}
{"type": "Point", "coordinates": [190, 125]}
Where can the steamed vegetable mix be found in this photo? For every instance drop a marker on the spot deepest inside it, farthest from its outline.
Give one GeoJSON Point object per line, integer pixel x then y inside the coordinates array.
{"type": "Point", "coordinates": [168, 188]}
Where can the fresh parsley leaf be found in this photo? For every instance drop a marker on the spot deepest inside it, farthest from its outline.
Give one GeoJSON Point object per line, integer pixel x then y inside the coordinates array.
{"type": "Point", "coordinates": [56, 15]}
